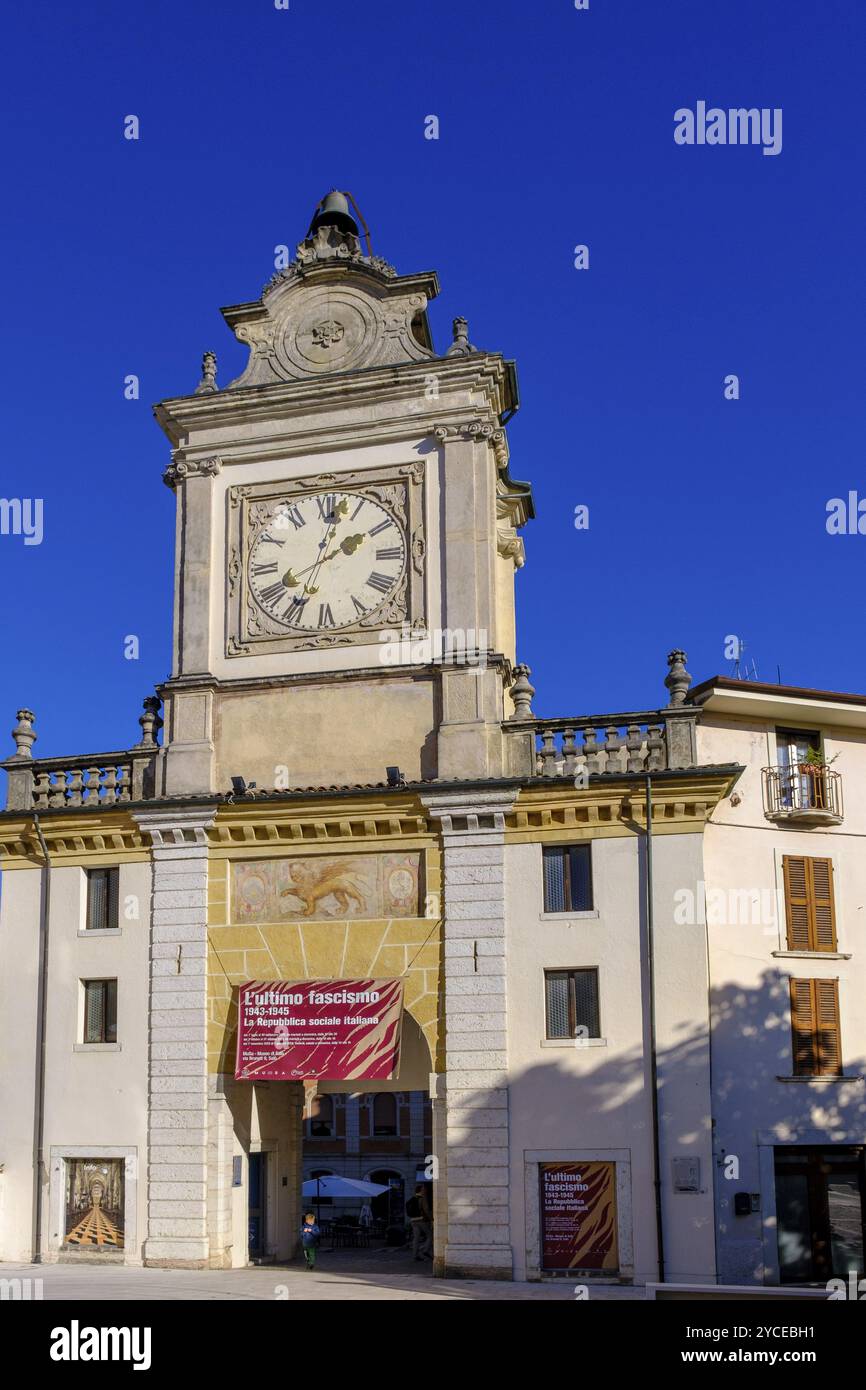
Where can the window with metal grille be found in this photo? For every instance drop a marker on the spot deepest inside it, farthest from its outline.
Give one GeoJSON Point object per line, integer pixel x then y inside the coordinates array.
{"type": "Point", "coordinates": [100, 1011]}
{"type": "Point", "coordinates": [567, 878]}
{"type": "Point", "coordinates": [815, 1033]}
{"type": "Point", "coordinates": [102, 885]}
{"type": "Point", "coordinates": [571, 1003]}
{"type": "Point", "coordinates": [809, 906]}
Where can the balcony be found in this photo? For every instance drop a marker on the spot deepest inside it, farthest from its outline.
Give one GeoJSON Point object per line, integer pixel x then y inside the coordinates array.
{"type": "Point", "coordinates": [803, 795]}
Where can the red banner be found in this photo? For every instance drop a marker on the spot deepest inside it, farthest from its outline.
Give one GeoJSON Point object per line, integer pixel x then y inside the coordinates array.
{"type": "Point", "coordinates": [578, 1216]}
{"type": "Point", "coordinates": [335, 1030]}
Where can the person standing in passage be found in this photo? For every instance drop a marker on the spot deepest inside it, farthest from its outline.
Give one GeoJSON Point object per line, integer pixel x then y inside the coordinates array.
{"type": "Point", "coordinates": [421, 1221]}
{"type": "Point", "coordinates": [310, 1234]}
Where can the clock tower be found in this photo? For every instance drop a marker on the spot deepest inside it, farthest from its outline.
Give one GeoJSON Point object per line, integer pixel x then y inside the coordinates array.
{"type": "Point", "coordinates": [347, 537]}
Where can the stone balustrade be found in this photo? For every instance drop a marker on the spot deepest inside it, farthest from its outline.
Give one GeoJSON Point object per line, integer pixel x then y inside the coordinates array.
{"type": "Point", "coordinates": [82, 781]}
{"type": "Point", "coordinates": [86, 779]}
{"type": "Point", "coordinates": [632, 743]}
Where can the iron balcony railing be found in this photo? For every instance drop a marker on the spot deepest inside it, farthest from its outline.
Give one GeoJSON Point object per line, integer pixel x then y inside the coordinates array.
{"type": "Point", "coordinates": [803, 791]}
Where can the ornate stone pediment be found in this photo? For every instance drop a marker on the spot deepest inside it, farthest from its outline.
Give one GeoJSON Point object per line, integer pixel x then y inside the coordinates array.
{"type": "Point", "coordinates": [333, 310]}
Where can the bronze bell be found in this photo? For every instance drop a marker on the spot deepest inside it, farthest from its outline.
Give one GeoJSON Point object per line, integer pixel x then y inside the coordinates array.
{"type": "Point", "coordinates": [333, 211]}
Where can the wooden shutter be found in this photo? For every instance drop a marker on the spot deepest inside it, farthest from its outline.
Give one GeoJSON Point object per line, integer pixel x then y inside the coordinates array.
{"type": "Point", "coordinates": [796, 902]}
{"type": "Point", "coordinates": [829, 1045]}
{"type": "Point", "coordinates": [823, 909]}
{"type": "Point", "coordinates": [815, 1032]}
{"type": "Point", "coordinates": [809, 906]}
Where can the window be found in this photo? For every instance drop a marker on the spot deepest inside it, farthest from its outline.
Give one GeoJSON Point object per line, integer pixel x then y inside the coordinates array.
{"type": "Point", "coordinates": [100, 1011]}
{"type": "Point", "coordinates": [809, 908]}
{"type": "Point", "coordinates": [321, 1117]}
{"type": "Point", "coordinates": [794, 747]}
{"type": "Point", "coordinates": [567, 878]}
{"type": "Point", "coordinates": [102, 887]}
{"type": "Point", "coordinates": [815, 1028]}
{"type": "Point", "coordinates": [571, 1003]}
{"type": "Point", "coordinates": [385, 1114]}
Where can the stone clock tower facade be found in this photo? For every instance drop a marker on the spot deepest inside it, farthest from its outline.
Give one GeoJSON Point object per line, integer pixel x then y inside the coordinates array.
{"type": "Point", "coordinates": [347, 538]}
{"type": "Point", "coordinates": [350, 785]}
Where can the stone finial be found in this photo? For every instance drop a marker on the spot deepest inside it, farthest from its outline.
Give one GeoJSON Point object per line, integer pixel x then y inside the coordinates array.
{"type": "Point", "coordinates": [208, 375]}
{"type": "Point", "coordinates": [24, 734]}
{"type": "Point", "coordinates": [461, 345]}
{"type": "Point", "coordinates": [677, 679]}
{"type": "Point", "coordinates": [521, 693]}
{"type": "Point", "coordinates": [150, 722]}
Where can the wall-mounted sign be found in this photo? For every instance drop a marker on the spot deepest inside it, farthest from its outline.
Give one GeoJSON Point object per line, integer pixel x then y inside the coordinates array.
{"type": "Point", "coordinates": [578, 1217]}
{"type": "Point", "coordinates": [334, 1030]}
{"type": "Point", "coordinates": [94, 1203]}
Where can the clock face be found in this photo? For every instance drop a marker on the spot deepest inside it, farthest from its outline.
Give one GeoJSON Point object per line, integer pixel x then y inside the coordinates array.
{"type": "Point", "coordinates": [325, 561]}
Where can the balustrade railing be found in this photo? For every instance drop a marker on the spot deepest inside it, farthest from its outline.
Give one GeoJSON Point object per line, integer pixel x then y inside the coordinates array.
{"type": "Point", "coordinates": [614, 743]}
{"type": "Point", "coordinates": [82, 781]}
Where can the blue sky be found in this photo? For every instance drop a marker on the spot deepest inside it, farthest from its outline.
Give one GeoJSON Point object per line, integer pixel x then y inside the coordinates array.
{"type": "Point", "coordinates": [707, 516]}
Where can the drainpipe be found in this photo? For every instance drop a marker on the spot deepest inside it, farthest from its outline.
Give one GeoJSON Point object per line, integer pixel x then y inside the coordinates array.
{"type": "Point", "coordinates": [660, 1234]}
{"type": "Point", "coordinates": [41, 1005]}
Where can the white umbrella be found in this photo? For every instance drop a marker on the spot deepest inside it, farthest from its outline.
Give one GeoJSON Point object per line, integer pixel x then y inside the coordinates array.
{"type": "Point", "coordinates": [334, 1186]}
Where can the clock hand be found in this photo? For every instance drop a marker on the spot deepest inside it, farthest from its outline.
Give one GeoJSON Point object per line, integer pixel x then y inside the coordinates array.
{"type": "Point", "coordinates": [347, 546]}
{"type": "Point", "coordinates": [292, 579]}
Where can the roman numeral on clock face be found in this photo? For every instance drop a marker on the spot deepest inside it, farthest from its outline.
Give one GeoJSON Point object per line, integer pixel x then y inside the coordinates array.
{"type": "Point", "coordinates": [273, 592]}
{"type": "Point", "coordinates": [326, 617]}
{"type": "Point", "coordinates": [389, 552]}
{"type": "Point", "coordinates": [295, 610]}
{"type": "Point", "coordinates": [293, 515]}
{"type": "Point", "coordinates": [359, 607]}
{"type": "Point", "coordinates": [326, 506]}
{"type": "Point", "coordinates": [357, 509]}
{"type": "Point", "coordinates": [265, 569]}
{"type": "Point", "coordinates": [383, 526]}
{"type": "Point", "coordinates": [380, 582]}
{"type": "Point", "coordinates": [267, 539]}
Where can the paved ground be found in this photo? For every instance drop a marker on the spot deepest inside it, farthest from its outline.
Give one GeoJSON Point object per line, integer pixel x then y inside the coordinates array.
{"type": "Point", "coordinates": [340, 1275]}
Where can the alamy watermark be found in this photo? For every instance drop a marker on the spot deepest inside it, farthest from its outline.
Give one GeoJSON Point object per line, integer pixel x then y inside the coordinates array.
{"type": "Point", "coordinates": [735, 126]}
{"type": "Point", "coordinates": [462, 646]}
{"type": "Point", "coordinates": [22, 516]}
{"type": "Point", "coordinates": [729, 907]}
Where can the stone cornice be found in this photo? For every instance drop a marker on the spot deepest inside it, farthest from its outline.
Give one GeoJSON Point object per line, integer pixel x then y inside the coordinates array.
{"type": "Point", "coordinates": [486, 372]}
{"type": "Point", "coordinates": [268, 829]}
{"type": "Point", "coordinates": [469, 812]}
{"type": "Point", "coordinates": [107, 837]}
{"type": "Point", "coordinates": [314, 820]}
{"type": "Point", "coordinates": [173, 827]}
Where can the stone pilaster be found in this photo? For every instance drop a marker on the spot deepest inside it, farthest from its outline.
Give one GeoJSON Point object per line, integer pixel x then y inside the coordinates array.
{"type": "Point", "coordinates": [177, 1120]}
{"type": "Point", "coordinates": [476, 1138]}
{"type": "Point", "coordinates": [219, 1176]}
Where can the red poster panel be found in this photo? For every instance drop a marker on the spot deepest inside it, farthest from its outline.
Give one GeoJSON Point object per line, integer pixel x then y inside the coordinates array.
{"type": "Point", "coordinates": [578, 1216]}
{"type": "Point", "coordinates": [336, 1030]}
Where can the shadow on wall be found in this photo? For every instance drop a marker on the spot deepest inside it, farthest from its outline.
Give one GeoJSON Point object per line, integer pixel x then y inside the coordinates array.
{"type": "Point", "coordinates": [752, 1048]}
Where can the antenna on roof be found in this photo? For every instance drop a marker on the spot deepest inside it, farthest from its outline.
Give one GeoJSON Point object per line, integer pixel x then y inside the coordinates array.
{"type": "Point", "coordinates": [742, 670]}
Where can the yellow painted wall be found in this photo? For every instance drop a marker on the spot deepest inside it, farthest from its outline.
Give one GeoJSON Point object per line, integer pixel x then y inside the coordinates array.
{"type": "Point", "coordinates": [326, 949]}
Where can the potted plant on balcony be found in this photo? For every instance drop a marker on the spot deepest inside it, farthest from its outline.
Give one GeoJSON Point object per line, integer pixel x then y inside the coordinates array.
{"type": "Point", "coordinates": [813, 770]}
